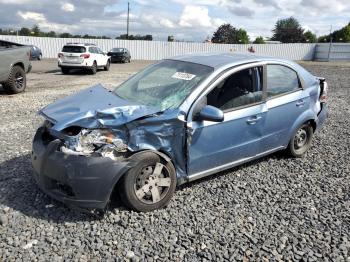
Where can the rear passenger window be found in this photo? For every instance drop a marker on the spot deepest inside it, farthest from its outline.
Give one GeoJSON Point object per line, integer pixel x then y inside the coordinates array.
{"type": "Point", "coordinates": [280, 80]}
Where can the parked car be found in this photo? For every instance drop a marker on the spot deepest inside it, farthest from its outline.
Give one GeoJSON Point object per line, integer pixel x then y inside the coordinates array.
{"type": "Point", "coordinates": [35, 53]}
{"type": "Point", "coordinates": [82, 56]}
{"type": "Point", "coordinates": [14, 64]}
{"type": "Point", "coordinates": [120, 55]}
{"type": "Point", "coordinates": [174, 122]}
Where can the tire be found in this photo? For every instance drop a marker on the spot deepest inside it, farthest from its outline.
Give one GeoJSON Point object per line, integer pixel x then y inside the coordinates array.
{"type": "Point", "coordinates": [93, 69]}
{"type": "Point", "coordinates": [17, 81]}
{"type": "Point", "coordinates": [301, 141]}
{"type": "Point", "coordinates": [40, 57]}
{"type": "Point", "coordinates": [139, 188]}
{"type": "Point", "coordinates": [129, 60]}
{"type": "Point", "coordinates": [65, 70]}
{"type": "Point", "coordinates": [108, 65]}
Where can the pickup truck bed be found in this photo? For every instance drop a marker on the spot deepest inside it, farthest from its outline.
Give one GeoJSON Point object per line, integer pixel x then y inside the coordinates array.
{"type": "Point", "coordinates": [14, 64]}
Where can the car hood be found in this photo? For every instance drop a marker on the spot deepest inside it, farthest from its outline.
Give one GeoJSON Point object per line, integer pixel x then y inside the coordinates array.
{"type": "Point", "coordinates": [95, 107]}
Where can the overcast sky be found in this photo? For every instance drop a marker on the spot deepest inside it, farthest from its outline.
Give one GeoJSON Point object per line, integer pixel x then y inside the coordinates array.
{"type": "Point", "coordinates": [187, 20]}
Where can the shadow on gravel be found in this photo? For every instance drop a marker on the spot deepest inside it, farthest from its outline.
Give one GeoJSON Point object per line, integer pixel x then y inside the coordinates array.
{"type": "Point", "coordinates": [80, 72]}
{"type": "Point", "coordinates": [19, 191]}
{"type": "Point", "coordinates": [53, 71]}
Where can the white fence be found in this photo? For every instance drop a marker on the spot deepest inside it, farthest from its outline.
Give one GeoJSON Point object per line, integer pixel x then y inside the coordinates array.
{"type": "Point", "coordinates": [155, 50]}
{"type": "Point", "coordinates": [332, 52]}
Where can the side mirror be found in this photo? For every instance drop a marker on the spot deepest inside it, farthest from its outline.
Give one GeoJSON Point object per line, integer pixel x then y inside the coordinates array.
{"type": "Point", "coordinates": [211, 113]}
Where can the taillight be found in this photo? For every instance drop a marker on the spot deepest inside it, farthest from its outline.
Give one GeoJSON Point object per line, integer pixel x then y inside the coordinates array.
{"type": "Point", "coordinates": [60, 55]}
{"type": "Point", "coordinates": [85, 56]}
{"type": "Point", "coordinates": [324, 90]}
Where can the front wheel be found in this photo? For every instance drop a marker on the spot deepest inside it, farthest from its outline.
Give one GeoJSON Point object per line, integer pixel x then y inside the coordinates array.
{"type": "Point", "coordinates": [17, 81]}
{"type": "Point", "coordinates": [301, 141]}
{"type": "Point", "coordinates": [149, 185]}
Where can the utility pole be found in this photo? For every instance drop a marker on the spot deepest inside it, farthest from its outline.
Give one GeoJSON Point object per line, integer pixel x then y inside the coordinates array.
{"type": "Point", "coordinates": [127, 23]}
{"type": "Point", "coordinates": [330, 44]}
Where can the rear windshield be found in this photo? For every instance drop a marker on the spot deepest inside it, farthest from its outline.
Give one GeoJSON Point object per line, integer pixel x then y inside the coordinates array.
{"type": "Point", "coordinates": [117, 50]}
{"type": "Point", "coordinates": [73, 49]}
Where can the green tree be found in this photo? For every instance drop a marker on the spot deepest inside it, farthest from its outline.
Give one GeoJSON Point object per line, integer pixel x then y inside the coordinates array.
{"type": "Point", "coordinates": [171, 38]}
{"type": "Point", "coordinates": [148, 38]}
{"type": "Point", "coordinates": [259, 40]}
{"type": "Point", "coordinates": [35, 30]}
{"type": "Point", "coordinates": [341, 35]}
{"type": "Point", "coordinates": [310, 37]}
{"type": "Point", "coordinates": [51, 34]}
{"type": "Point", "coordinates": [65, 35]}
{"type": "Point", "coordinates": [288, 31]}
{"type": "Point", "coordinates": [24, 31]}
{"type": "Point", "coordinates": [227, 34]}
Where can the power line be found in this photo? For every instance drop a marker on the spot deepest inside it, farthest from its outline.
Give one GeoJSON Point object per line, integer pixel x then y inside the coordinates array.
{"type": "Point", "coordinates": [127, 23]}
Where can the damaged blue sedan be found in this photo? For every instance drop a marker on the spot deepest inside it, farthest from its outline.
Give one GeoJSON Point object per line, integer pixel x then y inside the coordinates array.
{"type": "Point", "coordinates": [176, 121]}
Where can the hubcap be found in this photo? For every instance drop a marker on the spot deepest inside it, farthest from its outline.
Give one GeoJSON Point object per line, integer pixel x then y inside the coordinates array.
{"type": "Point", "coordinates": [152, 184]}
{"type": "Point", "coordinates": [300, 138]}
{"type": "Point", "coordinates": [19, 80]}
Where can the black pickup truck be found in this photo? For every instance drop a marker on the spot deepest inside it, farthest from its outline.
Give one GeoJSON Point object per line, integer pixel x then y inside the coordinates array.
{"type": "Point", "coordinates": [14, 64]}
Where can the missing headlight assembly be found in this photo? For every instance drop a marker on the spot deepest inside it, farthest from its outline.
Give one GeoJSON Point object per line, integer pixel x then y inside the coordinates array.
{"type": "Point", "coordinates": [103, 142]}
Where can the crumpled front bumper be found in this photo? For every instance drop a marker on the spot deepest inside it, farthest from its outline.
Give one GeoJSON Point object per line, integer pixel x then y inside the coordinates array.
{"type": "Point", "coordinates": [77, 181]}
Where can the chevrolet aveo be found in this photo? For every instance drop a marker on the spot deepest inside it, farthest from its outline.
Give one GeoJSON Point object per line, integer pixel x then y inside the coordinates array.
{"type": "Point", "coordinates": [176, 121]}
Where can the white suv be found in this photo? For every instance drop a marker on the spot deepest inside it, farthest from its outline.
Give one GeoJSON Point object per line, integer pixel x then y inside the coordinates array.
{"type": "Point", "coordinates": [83, 56]}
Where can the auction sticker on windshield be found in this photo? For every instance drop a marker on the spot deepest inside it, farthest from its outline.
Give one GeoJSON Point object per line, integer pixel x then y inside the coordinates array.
{"type": "Point", "coordinates": [183, 76]}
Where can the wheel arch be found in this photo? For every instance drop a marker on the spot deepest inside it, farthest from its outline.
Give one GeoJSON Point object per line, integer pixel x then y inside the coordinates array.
{"type": "Point", "coordinates": [307, 116]}
{"type": "Point", "coordinates": [163, 155]}
{"type": "Point", "coordinates": [20, 64]}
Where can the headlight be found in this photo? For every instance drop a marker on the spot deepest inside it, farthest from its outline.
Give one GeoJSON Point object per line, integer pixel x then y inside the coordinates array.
{"type": "Point", "coordinates": [90, 141]}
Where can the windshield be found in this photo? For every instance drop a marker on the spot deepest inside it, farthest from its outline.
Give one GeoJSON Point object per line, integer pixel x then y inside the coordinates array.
{"type": "Point", "coordinates": [73, 49]}
{"type": "Point", "coordinates": [163, 85]}
{"type": "Point", "coordinates": [117, 50]}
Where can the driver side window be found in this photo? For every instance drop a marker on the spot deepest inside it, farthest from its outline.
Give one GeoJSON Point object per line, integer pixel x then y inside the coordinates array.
{"type": "Point", "coordinates": [239, 89]}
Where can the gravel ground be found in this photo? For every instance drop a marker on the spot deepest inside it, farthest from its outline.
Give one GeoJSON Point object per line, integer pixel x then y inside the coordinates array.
{"type": "Point", "coordinates": [276, 208]}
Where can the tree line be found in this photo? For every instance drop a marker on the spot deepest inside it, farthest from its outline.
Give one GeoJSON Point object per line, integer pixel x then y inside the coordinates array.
{"type": "Point", "coordinates": [286, 30]}
{"type": "Point", "coordinates": [35, 31]}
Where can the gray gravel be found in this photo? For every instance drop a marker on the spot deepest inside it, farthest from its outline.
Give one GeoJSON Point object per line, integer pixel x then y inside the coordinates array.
{"type": "Point", "coordinates": [276, 208]}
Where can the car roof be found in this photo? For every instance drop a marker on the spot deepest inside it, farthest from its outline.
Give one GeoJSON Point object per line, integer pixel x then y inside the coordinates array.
{"type": "Point", "coordinates": [79, 44]}
{"type": "Point", "coordinates": [218, 60]}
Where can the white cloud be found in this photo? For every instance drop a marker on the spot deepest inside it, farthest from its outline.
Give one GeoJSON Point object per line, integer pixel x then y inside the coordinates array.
{"type": "Point", "coordinates": [156, 21]}
{"type": "Point", "coordinates": [38, 17]}
{"type": "Point", "coordinates": [166, 23]}
{"type": "Point", "coordinates": [42, 22]}
{"type": "Point", "coordinates": [15, 2]}
{"type": "Point", "coordinates": [193, 16]}
{"type": "Point", "coordinates": [68, 7]}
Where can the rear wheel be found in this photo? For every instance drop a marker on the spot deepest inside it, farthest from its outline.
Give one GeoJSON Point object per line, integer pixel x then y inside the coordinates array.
{"type": "Point", "coordinates": [301, 141]}
{"type": "Point", "coordinates": [93, 69]}
{"type": "Point", "coordinates": [40, 57]}
{"type": "Point", "coordinates": [149, 185]}
{"type": "Point", "coordinates": [108, 65]}
{"type": "Point", "coordinates": [65, 70]}
{"type": "Point", "coordinates": [16, 82]}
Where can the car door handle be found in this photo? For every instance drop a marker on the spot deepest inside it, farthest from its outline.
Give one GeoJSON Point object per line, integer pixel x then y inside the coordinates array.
{"type": "Point", "coordinates": [253, 120]}
{"type": "Point", "coordinates": [300, 103]}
